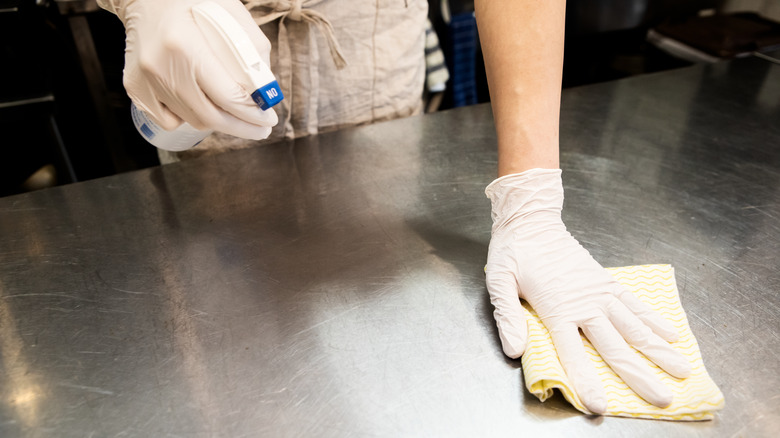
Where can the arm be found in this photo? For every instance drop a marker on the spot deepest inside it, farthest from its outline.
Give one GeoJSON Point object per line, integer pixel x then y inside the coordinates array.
{"type": "Point", "coordinates": [522, 43]}
{"type": "Point", "coordinates": [532, 255]}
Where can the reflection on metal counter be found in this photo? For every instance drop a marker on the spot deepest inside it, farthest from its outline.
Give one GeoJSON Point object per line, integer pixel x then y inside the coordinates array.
{"type": "Point", "coordinates": [334, 286]}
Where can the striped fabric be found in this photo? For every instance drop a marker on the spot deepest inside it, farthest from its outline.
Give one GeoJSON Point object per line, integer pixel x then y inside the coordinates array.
{"type": "Point", "coordinates": [436, 73]}
{"type": "Point", "coordinates": [695, 398]}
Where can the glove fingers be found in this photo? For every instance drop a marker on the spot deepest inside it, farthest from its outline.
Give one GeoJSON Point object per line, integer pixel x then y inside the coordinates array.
{"type": "Point", "coordinates": [200, 111]}
{"type": "Point", "coordinates": [579, 368]}
{"type": "Point", "coordinates": [231, 97]}
{"type": "Point", "coordinates": [171, 93]}
{"type": "Point", "coordinates": [643, 339]}
{"type": "Point", "coordinates": [651, 318]}
{"type": "Point", "coordinates": [508, 313]}
{"type": "Point", "coordinates": [625, 362]}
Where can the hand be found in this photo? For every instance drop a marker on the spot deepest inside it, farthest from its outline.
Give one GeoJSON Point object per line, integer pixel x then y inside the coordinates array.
{"type": "Point", "coordinates": [533, 256]}
{"type": "Point", "coordinates": [172, 75]}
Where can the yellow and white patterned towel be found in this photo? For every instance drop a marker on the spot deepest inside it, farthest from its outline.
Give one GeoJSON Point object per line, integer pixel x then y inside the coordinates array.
{"type": "Point", "coordinates": [695, 398]}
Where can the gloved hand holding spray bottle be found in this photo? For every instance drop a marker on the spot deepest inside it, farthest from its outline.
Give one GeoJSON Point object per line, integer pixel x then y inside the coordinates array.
{"type": "Point", "coordinates": [235, 50]}
{"type": "Point", "coordinates": [193, 67]}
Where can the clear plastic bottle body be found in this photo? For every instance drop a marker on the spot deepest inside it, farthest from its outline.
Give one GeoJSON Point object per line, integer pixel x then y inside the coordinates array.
{"type": "Point", "coordinates": [182, 138]}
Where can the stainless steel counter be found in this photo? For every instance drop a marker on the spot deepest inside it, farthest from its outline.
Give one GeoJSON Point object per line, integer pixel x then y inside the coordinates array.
{"type": "Point", "coordinates": [333, 286]}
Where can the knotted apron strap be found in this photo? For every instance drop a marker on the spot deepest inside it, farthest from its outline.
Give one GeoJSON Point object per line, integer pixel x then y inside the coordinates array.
{"type": "Point", "coordinates": [295, 10]}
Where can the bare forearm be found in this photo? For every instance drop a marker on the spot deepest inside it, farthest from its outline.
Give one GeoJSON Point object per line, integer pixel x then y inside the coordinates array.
{"type": "Point", "coordinates": [522, 43]}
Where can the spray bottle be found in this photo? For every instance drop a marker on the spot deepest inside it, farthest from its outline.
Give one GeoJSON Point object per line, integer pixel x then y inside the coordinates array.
{"type": "Point", "coordinates": [235, 50]}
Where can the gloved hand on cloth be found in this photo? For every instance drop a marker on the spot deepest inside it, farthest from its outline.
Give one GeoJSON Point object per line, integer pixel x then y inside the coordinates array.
{"type": "Point", "coordinates": [172, 75]}
{"type": "Point", "coordinates": [532, 256]}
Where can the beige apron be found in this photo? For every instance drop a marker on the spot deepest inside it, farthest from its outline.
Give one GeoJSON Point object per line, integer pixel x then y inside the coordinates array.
{"type": "Point", "coordinates": [339, 63]}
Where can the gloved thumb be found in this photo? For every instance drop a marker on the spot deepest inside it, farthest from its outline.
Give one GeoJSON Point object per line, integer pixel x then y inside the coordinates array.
{"type": "Point", "coordinates": [508, 313]}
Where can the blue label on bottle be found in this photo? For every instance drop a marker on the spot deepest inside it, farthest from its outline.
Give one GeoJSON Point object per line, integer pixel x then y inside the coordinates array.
{"type": "Point", "coordinates": [268, 95]}
{"type": "Point", "coordinates": [147, 131]}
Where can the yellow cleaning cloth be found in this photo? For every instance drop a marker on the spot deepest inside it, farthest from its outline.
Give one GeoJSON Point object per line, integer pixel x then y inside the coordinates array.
{"type": "Point", "coordinates": [695, 398]}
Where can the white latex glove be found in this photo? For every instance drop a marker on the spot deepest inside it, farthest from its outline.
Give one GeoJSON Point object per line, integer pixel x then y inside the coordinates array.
{"type": "Point", "coordinates": [533, 256]}
{"type": "Point", "coordinates": [172, 75]}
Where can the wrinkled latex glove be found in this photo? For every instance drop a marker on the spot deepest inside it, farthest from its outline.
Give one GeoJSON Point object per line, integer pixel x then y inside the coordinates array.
{"type": "Point", "coordinates": [532, 256]}
{"type": "Point", "coordinates": [173, 76]}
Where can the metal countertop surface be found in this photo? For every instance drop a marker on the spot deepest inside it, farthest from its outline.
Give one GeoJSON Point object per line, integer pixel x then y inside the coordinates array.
{"type": "Point", "coordinates": [333, 286]}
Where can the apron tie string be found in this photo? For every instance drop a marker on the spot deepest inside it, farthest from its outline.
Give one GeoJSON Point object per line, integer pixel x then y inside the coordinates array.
{"type": "Point", "coordinates": [295, 10]}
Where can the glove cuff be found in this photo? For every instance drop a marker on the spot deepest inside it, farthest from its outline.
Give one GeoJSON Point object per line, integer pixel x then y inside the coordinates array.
{"type": "Point", "coordinates": [520, 178]}
{"type": "Point", "coordinates": [520, 194]}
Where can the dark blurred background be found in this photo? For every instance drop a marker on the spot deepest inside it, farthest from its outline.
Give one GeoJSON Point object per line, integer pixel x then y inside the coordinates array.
{"type": "Point", "coordinates": [64, 114]}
